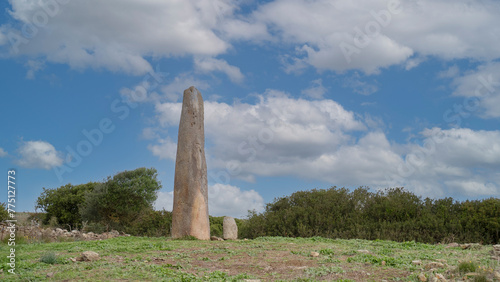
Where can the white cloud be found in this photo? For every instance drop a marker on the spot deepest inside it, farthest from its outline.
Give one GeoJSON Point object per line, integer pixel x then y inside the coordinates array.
{"type": "Point", "coordinates": [451, 72]}
{"type": "Point", "coordinates": [223, 200]}
{"type": "Point", "coordinates": [117, 35]}
{"type": "Point", "coordinates": [3, 153]}
{"type": "Point", "coordinates": [165, 149]}
{"type": "Point", "coordinates": [379, 34]}
{"type": "Point", "coordinates": [317, 90]}
{"type": "Point", "coordinates": [342, 35]}
{"type": "Point", "coordinates": [413, 62]}
{"type": "Point", "coordinates": [165, 201]}
{"type": "Point", "coordinates": [33, 66]}
{"type": "Point", "coordinates": [39, 154]}
{"type": "Point", "coordinates": [481, 91]}
{"type": "Point", "coordinates": [452, 162]}
{"type": "Point", "coordinates": [320, 140]}
{"type": "Point", "coordinates": [173, 90]}
{"type": "Point", "coordinates": [207, 64]}
{"type": "Point", "coordinates": [227, 200]}
{"type": "Point", "coordinates": [358, 86]}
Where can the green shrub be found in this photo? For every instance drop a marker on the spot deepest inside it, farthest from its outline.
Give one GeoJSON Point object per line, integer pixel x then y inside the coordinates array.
{"type": "Point", "coordinates": [151, 223]}
{"type": "Point", "coordinates": [465, 267]}
{"type": "Point", "coordinates": [49, 258]}
{"type": "Point", "coordinates": [391, 214]}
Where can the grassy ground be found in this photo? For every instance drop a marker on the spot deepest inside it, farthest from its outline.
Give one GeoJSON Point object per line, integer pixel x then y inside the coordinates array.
{"type": "Point", "coordinates": [267, 258]}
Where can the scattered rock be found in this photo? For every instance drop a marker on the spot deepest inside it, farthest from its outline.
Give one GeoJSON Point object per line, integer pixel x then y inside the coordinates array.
{"type": "Point", "coordinates": [88, 256]}
{"type": "Point", "coordinates": [383, 262]}
{"type": "Point", "coordinates": [422, 278]}
{"type": "Point", "coordinates": [416, 262]}
{"type": "Point", "coordinates": [453, 245]}
{"type": "Point", "coordinates": [314, 254]}
{"type": "Point", "coordinates": [474, 246]}
{"type": "Point", "coordinates": [434, 265]}
{"type": "Point", "coordinates": [251, 280]}
{"type": "Point", "coordinates": [73, 259]}
{"type": "Point", "coordinates": [363, 251]}
{"type": "Point", "coordinates": [50, 274]}
{"type": "Point", "coordinates": [215, 238]}
{"type": "Point", "coordinates": [471, 274]}
{"type": "Point", "coordinates": [497, 275]}
{"type": "Point", "coordinates": [440, 277]}
{"type": "Point", "coordinates": [441, 260]}
{"type": "Point", "coordinates": [229, 228]}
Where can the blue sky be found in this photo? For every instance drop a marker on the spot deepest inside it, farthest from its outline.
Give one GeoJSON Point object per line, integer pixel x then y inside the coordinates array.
{"type": "Point", "coordinates": [298, 95]}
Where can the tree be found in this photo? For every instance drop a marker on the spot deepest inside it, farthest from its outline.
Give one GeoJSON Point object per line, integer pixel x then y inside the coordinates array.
{"type": "Point", "coordinates": [4, 214]}
{"type": "Point", "coordinates": [119, 201]}
{"type": "Point", "coordinates": [64, 203]}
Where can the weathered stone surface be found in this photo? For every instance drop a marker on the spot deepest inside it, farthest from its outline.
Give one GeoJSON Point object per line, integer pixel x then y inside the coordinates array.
{"type": "Point", "coordinates": [314, 254]}
{"type": "Point", "coordinates": [190, 211]}
{"type": "Point", "coordinates": [229, 228]}
{"type": "Point", "coordinates": [88, 256]}
{"type": "Point", "coordinates": [453, 245]}
{"type": "Point", "coordinates": [422, 278]}
{"type": "Point", "coordinates": [434, 264]}
{"type": "Point", "coordinates": [215, 238]}
{"type": "Point", "coordinates": [416, 262]}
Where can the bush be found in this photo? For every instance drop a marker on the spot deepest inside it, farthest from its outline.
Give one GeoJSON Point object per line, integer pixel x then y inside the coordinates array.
{"type": "Point", "coordinates": [151, 223]}
{"type": "Point", "coordinates": [4, 214]}
{"type": "Point", "coordinates": [465, 267]}
{"type": "Point", "coordinates": [64, 203]}
{"type": "Point", "coordinates": [49, 258]}
{"type": "Point", "coordinates": [121, 199]}
{"type": "Point", "coordinates": [391, 214]}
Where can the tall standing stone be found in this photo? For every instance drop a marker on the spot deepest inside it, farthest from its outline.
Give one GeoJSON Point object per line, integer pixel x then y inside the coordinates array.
{"type": "Point", "coordinates": [229, 228]}
{"type": "Point", "coordinates": [190, 212]}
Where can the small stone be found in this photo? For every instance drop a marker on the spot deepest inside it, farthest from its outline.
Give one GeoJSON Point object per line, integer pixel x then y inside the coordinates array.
{"type": "Point", "coordinates": [470, 274]}
{"type": "Point", "coordinates": [416, 262]}
{"type": "Point", "coordinates": [453, 245]}
{"type": "Point", "coordinates": [434, 265]}
{"type": "Point", "coordinates": [314, 254]}
{"type": "Point", "coordinates": [440, 277]}
{"type": "Point", "coordinates": [50, 274]}
{"type": "Point", "coordinates": [465, 246]}
{"type": "Point", "coordinates": [497, 275]}
{"type": "Point", "coordinates": [383, 262]}
{"type": "Point", "coordinates": [89, 256]}
{"type": "Point", "coordinates": [422, 278]}
{"type": "Point", "coordinates": [363, 251]}
{"type": "Point", "coordinates": [251, 280]}
{"type": "Point", "coordinates": [441, 260]}
{"type": "Point", "coordinates": [215, 238]}
{"type": "Point", "coordinates": [73, 259]}
{"type": "Point", "coordinates": [230, 229]}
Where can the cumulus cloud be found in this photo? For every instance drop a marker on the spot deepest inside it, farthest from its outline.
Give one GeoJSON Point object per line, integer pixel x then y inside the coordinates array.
{"type": "Point", "coordinates": [316, 91]}
{"type": "Point", "coordinates": [208, 64]}
{"type": "Point", "coordinates": [370, 35]}
{"type": "Point", "coordinates": [174, 89]}
{"type": "Point", "coordinates": [3, 153]}
{"type": "Point", "coordinates": [452, 162]}
{"type": "Point", "coordinates": [451, 72]}
{"type": "Point", "coordinates": [320, 140]}
{"type": "Point", "coordinates": [481, 91]}
{"type": "Point", "coordinates": [117, 35]}
{"type": "Point", "coordinates": [338, 36]}
{"type": "Point", "coordinates": [39, 154]}
{"type": "Point", "coordinates": [164, 149]}
{"type": "Point", "coordinates": [33, 66]}
{"type": "Point", "coordinates": [359, 86]}
{"type": "Point", "coordinates": [223, 200]}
